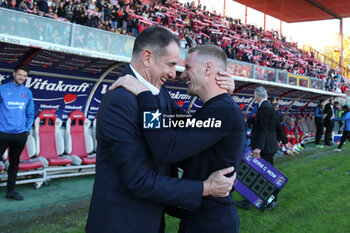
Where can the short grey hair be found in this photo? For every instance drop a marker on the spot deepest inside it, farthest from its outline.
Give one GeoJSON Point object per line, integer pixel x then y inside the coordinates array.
{"type": "Point", "coordinates": [211, 51]}
{"type": "Point", "coordinates": [260, 92]}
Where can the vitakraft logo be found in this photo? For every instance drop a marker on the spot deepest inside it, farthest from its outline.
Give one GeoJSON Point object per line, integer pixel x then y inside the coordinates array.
{"type": "Point", "coordinates": [151, 120]}
{"type": "Point", "coordinates": [59, 86]}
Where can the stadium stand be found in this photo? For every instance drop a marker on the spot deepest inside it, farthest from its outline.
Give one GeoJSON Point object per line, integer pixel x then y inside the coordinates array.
{"type": "Point", "coordinates": [194, 25]}
{"type": "Point", "coordinates": [79, 143]}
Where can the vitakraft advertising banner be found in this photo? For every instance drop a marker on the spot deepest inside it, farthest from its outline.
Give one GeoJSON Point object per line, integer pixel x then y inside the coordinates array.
{"type": "Point", "coordinates": [63, 95]}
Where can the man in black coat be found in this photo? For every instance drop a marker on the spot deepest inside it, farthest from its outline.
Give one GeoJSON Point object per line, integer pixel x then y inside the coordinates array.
{"type": "Point", "coordinates": [264, 138]}
{"type": "Point", "coordinates": [328, 122]}
{"type": "Point", "coordinates": [264, 135]}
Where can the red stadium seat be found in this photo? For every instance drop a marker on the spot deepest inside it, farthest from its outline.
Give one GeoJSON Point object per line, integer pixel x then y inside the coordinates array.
{"type": "Point", "coordinates": [49, 143]}
{"type": "Point", "coordinates": [311, 123]}
{"type": "Point", "coordinates": [79, 142]}
{"type": "Point", "coordinates": [26, 160]}
{"type": "Point", "coordinates": [305, 127]}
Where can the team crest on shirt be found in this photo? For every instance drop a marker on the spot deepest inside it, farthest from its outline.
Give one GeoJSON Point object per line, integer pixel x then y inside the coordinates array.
{"type": "Point", "coordinates": [23, 95]}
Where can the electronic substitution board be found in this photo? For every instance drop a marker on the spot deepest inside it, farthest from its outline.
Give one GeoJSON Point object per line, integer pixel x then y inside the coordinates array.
{"type": "Point", "coordinates": [258, 181]}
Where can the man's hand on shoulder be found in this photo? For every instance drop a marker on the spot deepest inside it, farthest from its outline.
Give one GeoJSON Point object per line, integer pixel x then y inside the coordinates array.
{"type": "Point", "coordinates": [218, 185]}
{"type": "Point", "coordinates": [130, 83]}
{"type": "Point", "coordinates": [226, 81]}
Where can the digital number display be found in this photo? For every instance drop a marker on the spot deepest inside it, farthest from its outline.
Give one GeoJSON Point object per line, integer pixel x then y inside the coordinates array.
{"type": "Point", "coordinates": [255, 181]}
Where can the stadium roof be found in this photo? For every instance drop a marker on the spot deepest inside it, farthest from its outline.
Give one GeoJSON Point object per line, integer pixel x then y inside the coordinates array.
{"type": "Point", "coordinates": [292, 11]}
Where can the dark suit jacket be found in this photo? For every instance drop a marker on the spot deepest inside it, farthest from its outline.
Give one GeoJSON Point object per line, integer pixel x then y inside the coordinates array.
{"type": "Point", "coordinates": [219, 148]}
{"type": "Point", "coordinates": [264, 129]}
{"type": "Point", "coordinates": [131, 188]}
{"type": "Point", "coordinates": [281, 136]}
{"type": "Point", "coordinates": [328, 111]}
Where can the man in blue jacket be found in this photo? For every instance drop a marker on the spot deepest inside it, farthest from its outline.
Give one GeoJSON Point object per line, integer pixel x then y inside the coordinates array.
{"type": "Point", "coordinates": [132, 186]}
{"type": "Point", "coordinates": [16, 119]}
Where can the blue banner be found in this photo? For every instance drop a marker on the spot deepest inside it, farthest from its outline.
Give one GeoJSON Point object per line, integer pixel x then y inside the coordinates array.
{"type": "Point", "coordinates": [63, 95]}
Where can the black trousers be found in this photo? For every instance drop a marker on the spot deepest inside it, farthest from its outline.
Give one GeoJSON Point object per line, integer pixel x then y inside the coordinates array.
{"type": "Point", "coordinates": [319, 130]}
{"type": "Point", "coordinates": [269, 158]}
{"type": "Point", "coordinates": [213, 219]}
{"type": "Point", "coordinates": [15, 143]}
{"type": "Point", "coordinates": [346, 135]}
{"type": "Point", "coordinates": [329, 124]}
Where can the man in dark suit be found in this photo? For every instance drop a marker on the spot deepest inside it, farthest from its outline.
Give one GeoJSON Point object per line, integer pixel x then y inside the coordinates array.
{"type": "Point", "coordinates": [263, 141]}
{"type": "Point", "coordinates": [221, 146]}
{"type": "Point", "coordinates": [264, 137]}
{"type": "Point", "coordinates": [131, 185]}
{"type": "Point", "coordinates": [328, 122]}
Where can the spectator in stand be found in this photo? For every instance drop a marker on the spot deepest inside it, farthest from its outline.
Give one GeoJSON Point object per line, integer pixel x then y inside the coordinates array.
{"type": "Point", "coordinates": [125, 19]}
{"type": "Point", "coordinates": [35, 8]}
{"type": "Point", "coordinates": [3, 3]}
{"type": "Point", "coordinates": [81, 19]}
{"type": "Point", "coordinates": [114, 18]}
{"type": "Point", "coordinates": [319, 116]}
{"type": "Point", "coordinates": [12, 5]}
{"type": "Point", "coordinates": [43, 6]}
{"type": "Point", "coordinates": [134, 27]}
{"type": "Point", "coordinates": [343, 88]}
{"type": "Point", "coordinates": [69, 11]}
{"type": "Point", "coordinates": [79, 14]}
{"type": "Point", "coordinates": [54, 7]}
{"type": "Point", "coordinates": [61, 11]}
{"type": "Point", "coordinates": [346, 132]}
{"type": "Point", "coordinates": [183, 43]}
{"type": "Point", "coordinates": [50, 14]}
{"type": "Point", "coordinates": [24, 6]}
{"type": "Point", "coordinates": [89, 20]}
{"type": "Point", "coordinates": [106, 11]}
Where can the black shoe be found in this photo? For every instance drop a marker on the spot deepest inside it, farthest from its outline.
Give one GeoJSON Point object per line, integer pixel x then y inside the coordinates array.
{"type": "Point", "coordinates": [14, 195]}
{"type": "Point", "coordinates": [273, 205]}
{"type": "Point", "coordinates": [329, 144]}
{"type": "Point", "coordinates": [245, 204]}
{"type": "Point", "coordinates": [303, 146]}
